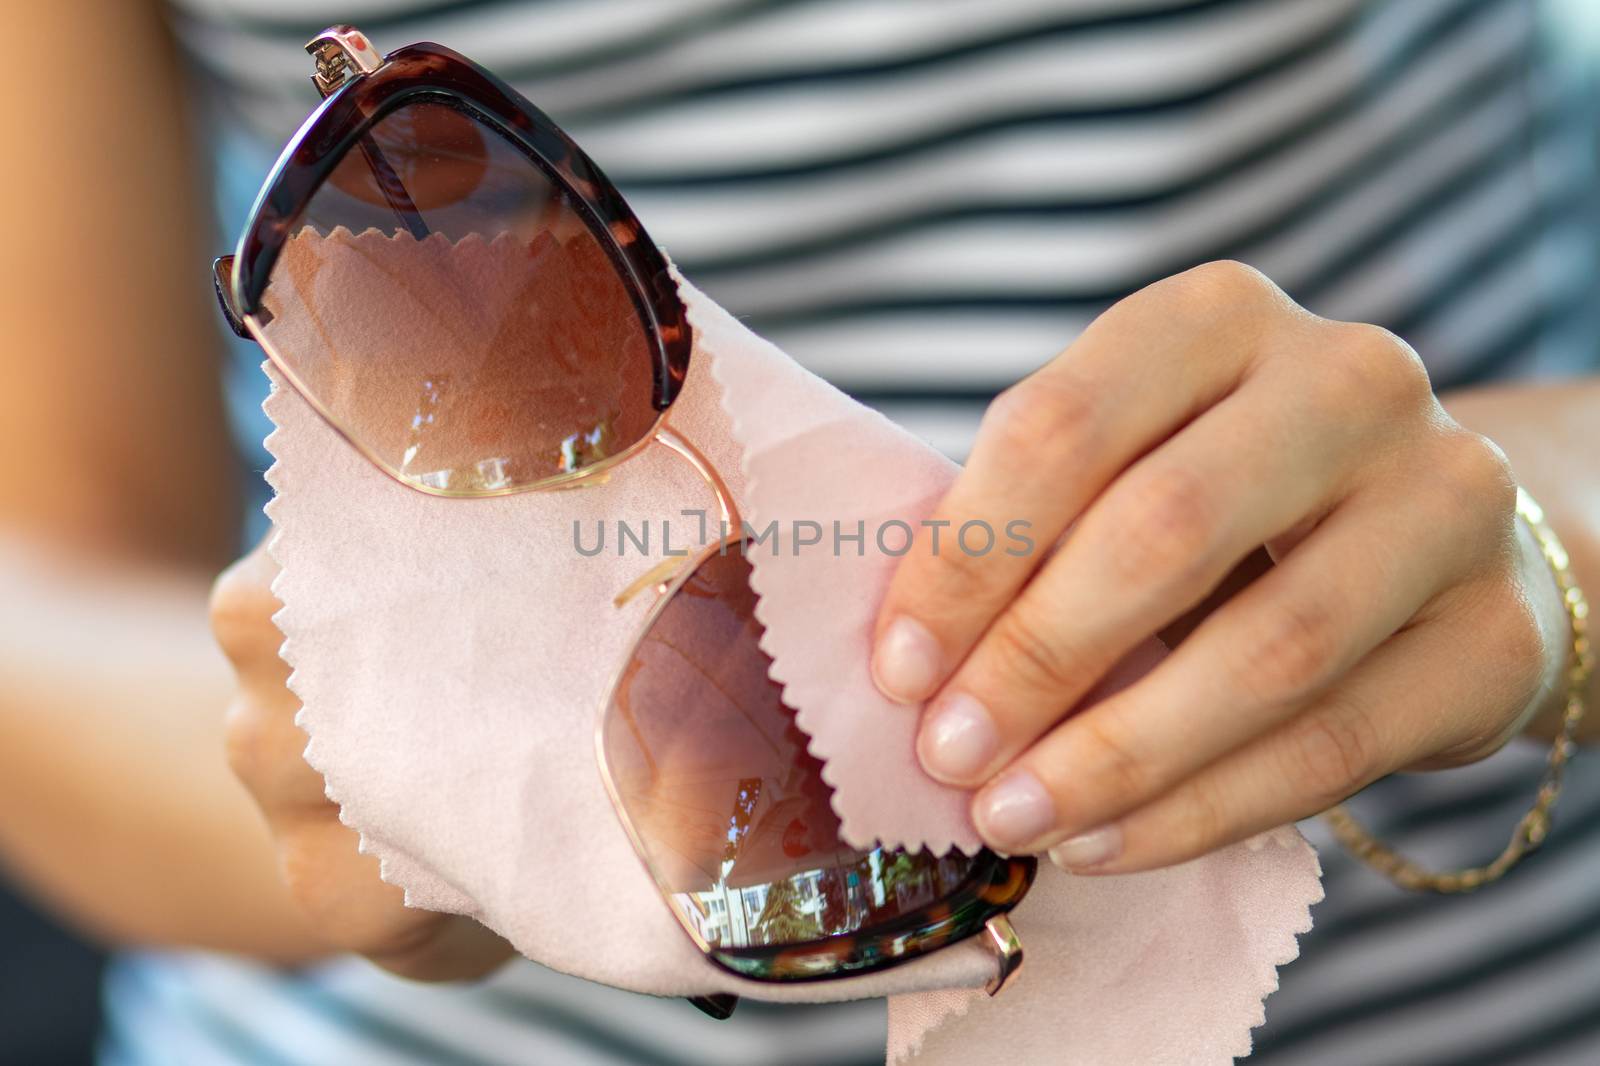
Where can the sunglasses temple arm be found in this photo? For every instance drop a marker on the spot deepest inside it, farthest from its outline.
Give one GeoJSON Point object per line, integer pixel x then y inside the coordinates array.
{"type": "Point", "coordinates": [719, 1006]}
{"type": "Point", "coordinates": [393, 189]}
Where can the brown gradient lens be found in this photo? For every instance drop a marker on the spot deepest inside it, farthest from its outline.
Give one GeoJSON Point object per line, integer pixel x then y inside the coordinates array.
{"type": "Point", "coordinates": [733, 818]}
{"type": "Point", "coordinates": [448, 308]}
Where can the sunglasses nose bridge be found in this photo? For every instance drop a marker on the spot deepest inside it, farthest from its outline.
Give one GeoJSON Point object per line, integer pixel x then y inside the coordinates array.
{"type": "Point", "coordinates": [662, 573]}
{"type": "Point", "coordinates": [708, 473]}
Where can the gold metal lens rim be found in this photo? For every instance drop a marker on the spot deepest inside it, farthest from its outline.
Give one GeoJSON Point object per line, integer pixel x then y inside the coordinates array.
{"type": "Point", "coordinates": [635, 841]}
{"type": "Point", "coordinates": [998, 935]}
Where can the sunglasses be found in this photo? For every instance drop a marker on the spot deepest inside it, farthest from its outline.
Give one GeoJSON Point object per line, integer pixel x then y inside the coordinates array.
{"type": "Point", "coordinates": [540, 341]}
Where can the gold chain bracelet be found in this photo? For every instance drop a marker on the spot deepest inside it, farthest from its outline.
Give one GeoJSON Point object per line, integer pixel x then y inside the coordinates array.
{"type": "Point", "coordinates": [1535, 825]}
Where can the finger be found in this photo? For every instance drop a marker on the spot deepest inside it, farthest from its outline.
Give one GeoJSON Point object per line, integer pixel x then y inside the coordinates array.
{"type": "Point", "coordinates": [265, 748]}
{"type": "Point", "coordinates": [329, 878]}
{"type": "Point", "coordinates": [1046, 448]}
{"type": "Point", "coordinates": [341, 891]}
{"type": "Point", "coordinates": [241, 609]}
{"type": "Point", "coordinates": [266, 751]}
{"type": "Point", "coordinates": [338, 887]}
{"type": "Point", "coordinates": [1151, 547]}
{"type": "Point", "coordinates": [457, 948]}
{"type": "Point", "coordinates": [1360, 576]}
{"type": "Point", "coordinates": [1404, 702]}
{"type": "Point", "coordinates": [1384, 559]}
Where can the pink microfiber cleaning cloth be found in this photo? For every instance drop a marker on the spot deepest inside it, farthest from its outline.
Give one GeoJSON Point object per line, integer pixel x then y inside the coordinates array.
{"type": "Point", "coordinates": [452, 657]}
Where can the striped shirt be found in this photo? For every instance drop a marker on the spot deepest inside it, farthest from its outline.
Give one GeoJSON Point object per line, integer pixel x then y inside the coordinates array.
{"type": "Point", "coordinates": [923, 201]}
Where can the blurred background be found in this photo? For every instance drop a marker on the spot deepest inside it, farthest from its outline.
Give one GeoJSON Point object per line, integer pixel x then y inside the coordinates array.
{"type": "Point", "coordinates": [919, 201]}
{"type": "Point", "coordinates": [50, 988]}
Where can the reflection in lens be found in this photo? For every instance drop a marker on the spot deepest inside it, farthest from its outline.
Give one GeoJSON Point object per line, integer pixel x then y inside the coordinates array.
{"type": "Point", "coordinates": [733, 817]}
{"type": "Point", "coordinates": [450, 310]}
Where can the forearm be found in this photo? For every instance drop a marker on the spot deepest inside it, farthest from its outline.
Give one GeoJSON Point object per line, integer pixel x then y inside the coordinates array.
{"type": "Point", "coordinates": [1551, 433]}
{"type": "Point", "coordinates": [117, 809]}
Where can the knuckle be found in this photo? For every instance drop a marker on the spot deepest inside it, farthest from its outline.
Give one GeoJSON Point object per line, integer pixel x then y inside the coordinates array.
{"type": "Point", "coordinates": [1118, 770]}
{"type": "Point", "coordinates": [1332, 755]}
{"type": "Point", "coordinates": [317, 879]}
{"type": "Point", "coordinates": [1523, 647]}
{"type": "Point", "coordinates": [1163, 529]}
{"type": "Point", "coordinates": [1370, 368]}
{"type": "Point", "coordinates": [1226, 277]}
{"type": "Point", "coordinates": [1515, 644]}
{"type": "Point", "coordinates": [241, 609]}
{"type": "Point", "coordinates": [314, 861]}
{"type": "Point", "coordinates": [957, 578]}
{"type": "Point", "coordinates": [1375, 365]}
{"type": "Point", "coordinates": [1202, 824]}
{"type": "Point", "coordinates": [1217, 287]}
{"type": "Point", "coordinates": [1052, 410]}
{"type": "Point", "coordinates": [303, 865]}
{"type": "Point", "coordinates": [1475, 471]}
{"type": "Point", "coordinates": [1030, 654]}
{"type": "Point", "coordinates": [412, 953]}
{"type": "Point", "coordinates": [265, 751]}
{"type": "Point", "coordinates": [1478, 735]}
{"type": "Point", "coordinates": [245, 744]}
{"type": "Point", "coordinates": [354, 913]}
{"type": "Point", "coordinates": [1291, 655]}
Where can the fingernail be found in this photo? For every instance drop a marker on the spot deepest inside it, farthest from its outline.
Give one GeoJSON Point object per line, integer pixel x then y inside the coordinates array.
{"type": "Point", "coordinates": [1088, 850]}
{"type": "Point", "coordinates": [907, 665]}
{"type": "Point", "coordinates": [1014, 812]}
{"type": "Point", "coordinates": [958, 739]}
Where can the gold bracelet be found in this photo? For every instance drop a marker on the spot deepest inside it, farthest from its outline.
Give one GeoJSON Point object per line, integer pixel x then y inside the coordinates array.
{"type": "Point", "coordinates": [1535, 825]}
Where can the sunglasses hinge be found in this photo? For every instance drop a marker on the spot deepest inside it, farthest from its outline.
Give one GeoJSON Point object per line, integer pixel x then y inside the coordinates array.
{"type": "Point", "coordinates": [341, 53]}
{"type": "Point", "coordinates": [1002, 940]}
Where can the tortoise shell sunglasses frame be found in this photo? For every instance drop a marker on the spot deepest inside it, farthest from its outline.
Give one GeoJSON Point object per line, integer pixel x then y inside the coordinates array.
{"type": "Point", "coordinates": [360, 88]}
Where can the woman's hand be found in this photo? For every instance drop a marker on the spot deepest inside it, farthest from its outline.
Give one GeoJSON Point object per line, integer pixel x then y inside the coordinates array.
{"type": "Point", "coordinates": [336, 886]}
{"type": "Point", "coordinates": [1408, 622]}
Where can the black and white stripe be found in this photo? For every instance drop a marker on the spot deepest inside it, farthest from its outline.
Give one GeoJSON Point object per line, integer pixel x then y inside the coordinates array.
{"type": "Point", "coordinates": [925, 201]}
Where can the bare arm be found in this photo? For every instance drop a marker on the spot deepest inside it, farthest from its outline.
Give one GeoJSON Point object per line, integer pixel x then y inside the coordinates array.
{"type": "Point", "coordinates": [117, 504]}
